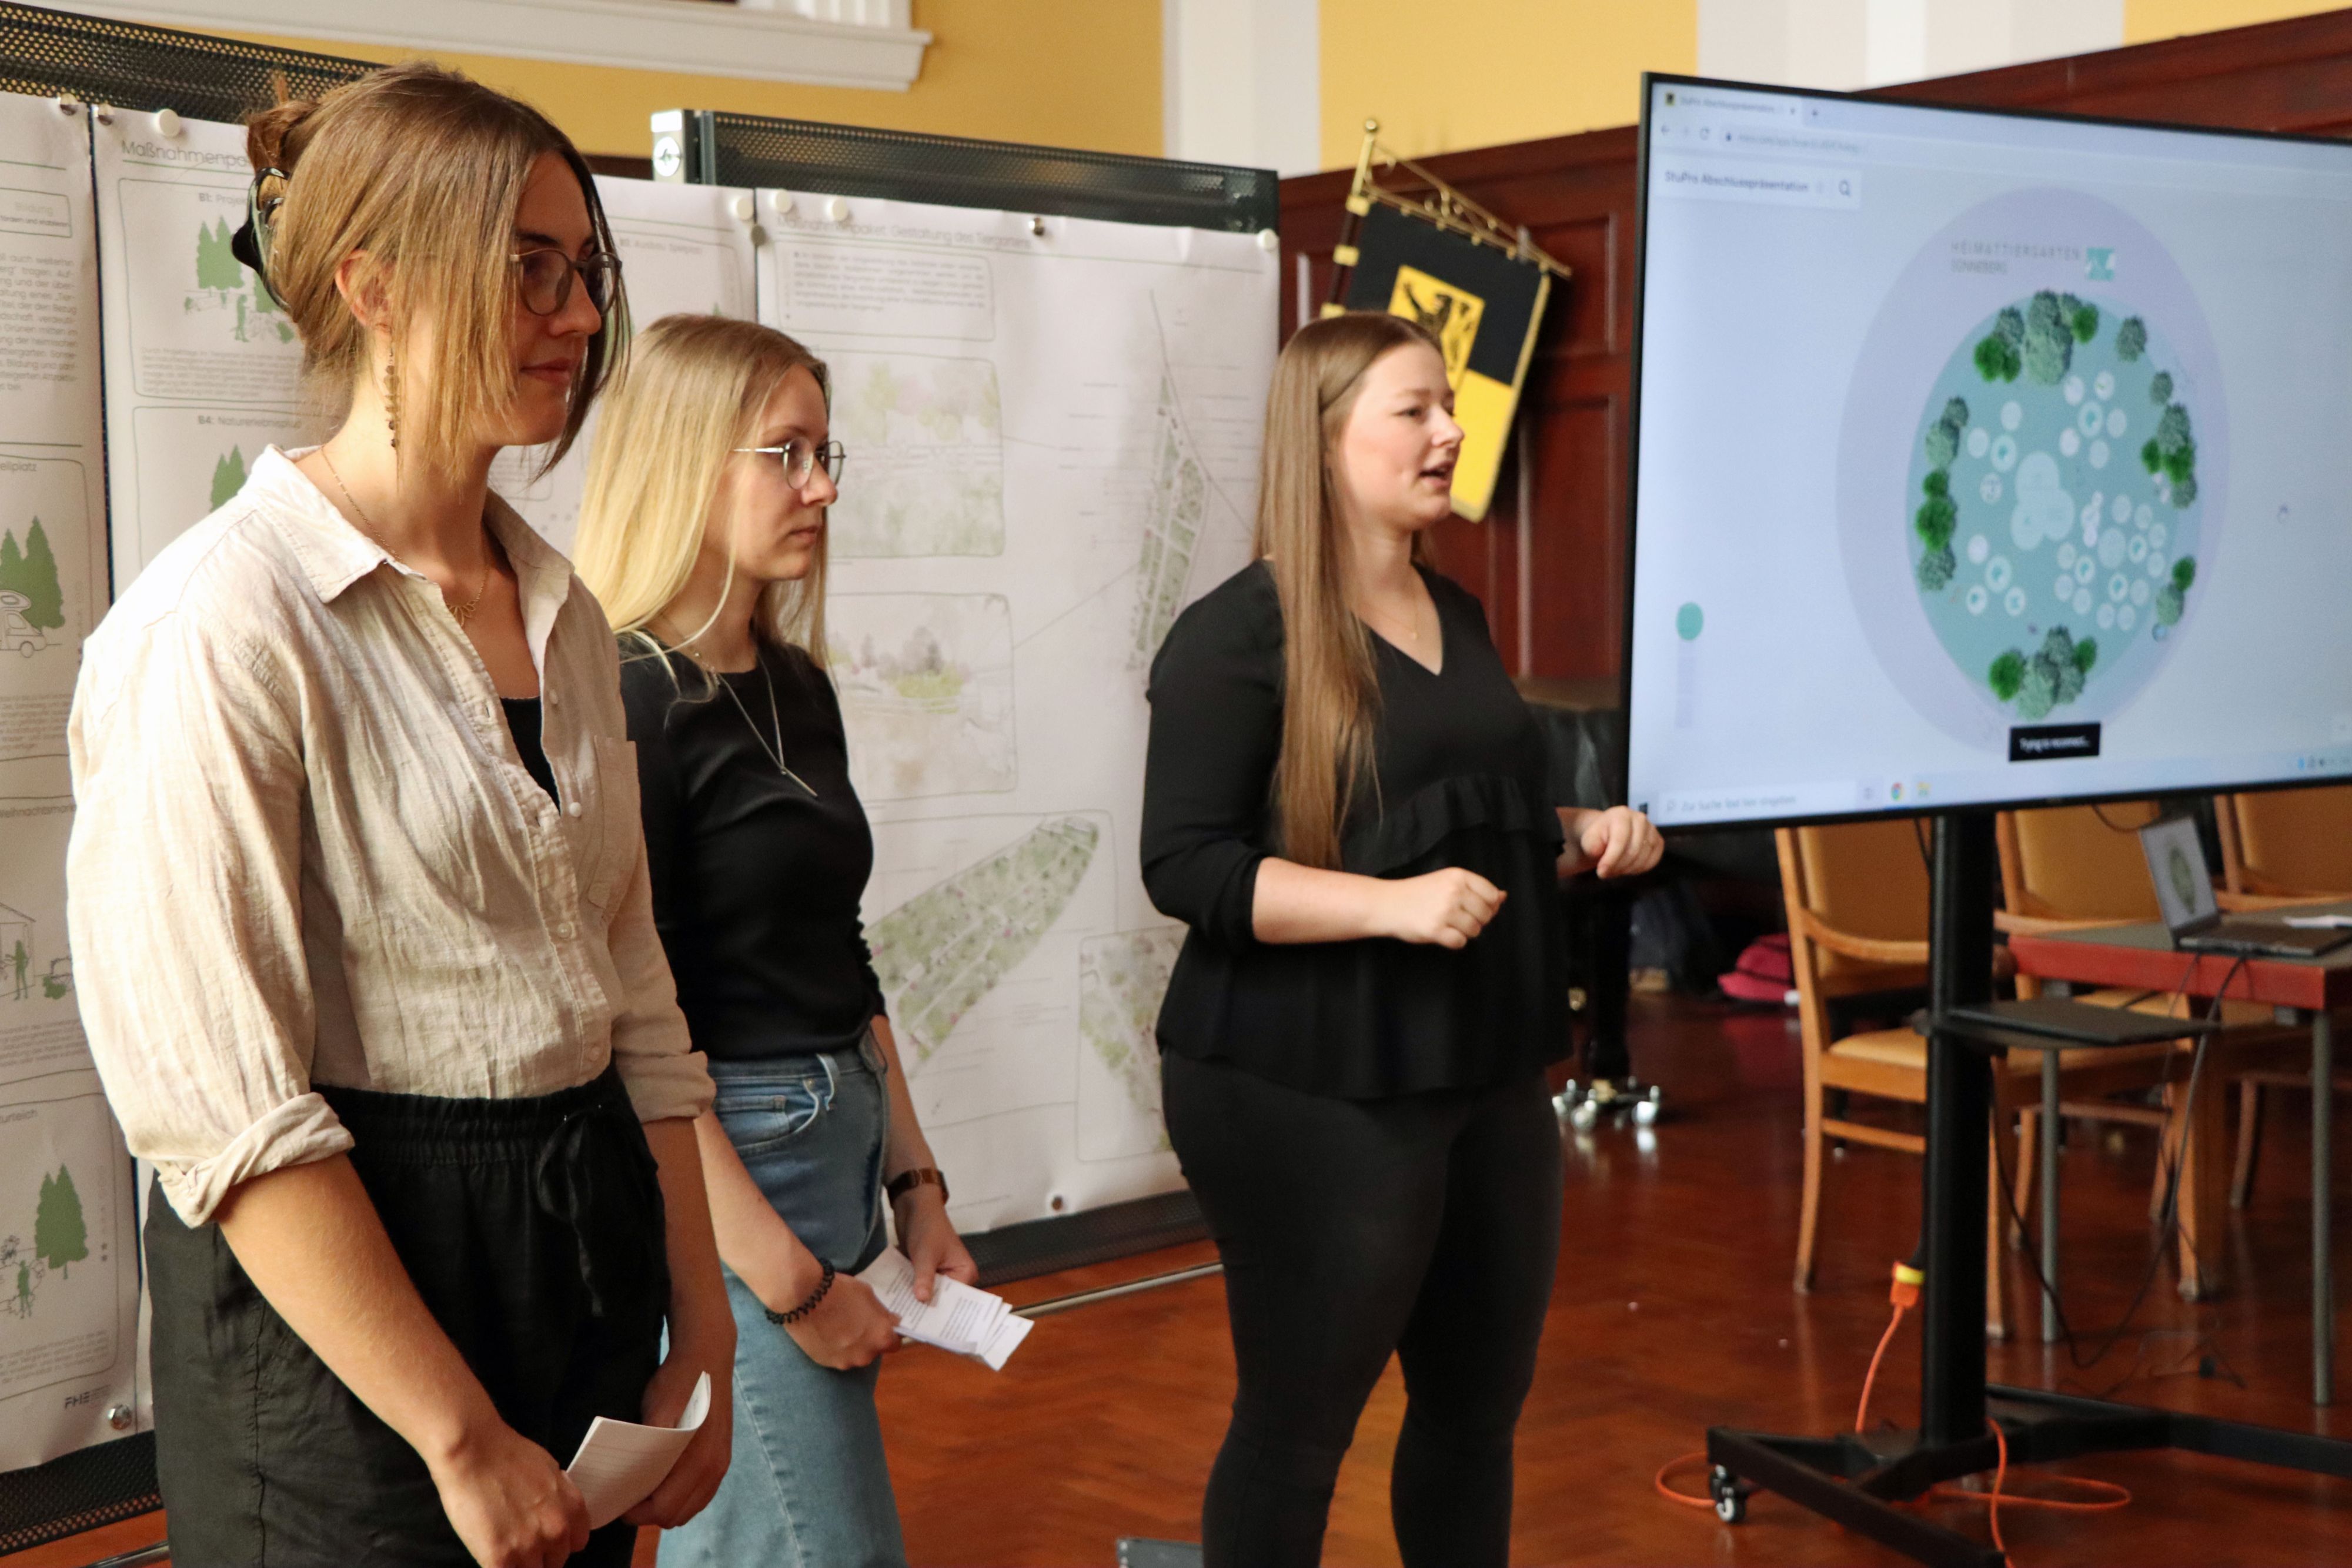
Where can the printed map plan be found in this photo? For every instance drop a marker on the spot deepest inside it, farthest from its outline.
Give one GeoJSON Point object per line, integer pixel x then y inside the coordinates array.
{"type": "Point", "coordinates": [1052, 448]}
{"type": "Point", "coordinates": [68, 1269]}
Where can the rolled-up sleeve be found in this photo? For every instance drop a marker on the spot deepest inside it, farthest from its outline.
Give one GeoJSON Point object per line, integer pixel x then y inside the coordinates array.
{"type": "Point", "coordinates": [1216, 732]}
{"type": "Point", "coordinates": [183, 907]}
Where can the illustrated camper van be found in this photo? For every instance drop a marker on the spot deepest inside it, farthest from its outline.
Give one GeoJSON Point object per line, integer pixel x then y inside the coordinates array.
{"type": "Point", "coordinates": [15, 630]}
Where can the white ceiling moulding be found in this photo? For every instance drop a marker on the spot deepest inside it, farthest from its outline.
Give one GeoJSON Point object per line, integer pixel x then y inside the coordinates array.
{"type": "Point", "coordinates": [820, 43]}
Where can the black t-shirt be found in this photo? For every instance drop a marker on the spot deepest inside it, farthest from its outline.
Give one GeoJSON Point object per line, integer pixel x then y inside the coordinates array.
{"type": "Point", "coordinates": [756, 877]}
{"type": "Point", "coordinates": [1462, 781]}
{"type": "Point", "coordinates": [525, 722]}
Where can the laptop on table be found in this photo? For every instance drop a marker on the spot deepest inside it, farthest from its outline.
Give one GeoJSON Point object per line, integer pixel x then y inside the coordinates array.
{"type": "Point", "coordinates": [2184, 890]}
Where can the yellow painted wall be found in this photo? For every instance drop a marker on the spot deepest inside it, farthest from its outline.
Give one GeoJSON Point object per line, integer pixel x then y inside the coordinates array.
{"type": "Point", "coordinates": [1068, 73]}
{"type": "Point", "coordinates": [1473, 73]}
{"type": "Point", "coordinates": [2147, 20]}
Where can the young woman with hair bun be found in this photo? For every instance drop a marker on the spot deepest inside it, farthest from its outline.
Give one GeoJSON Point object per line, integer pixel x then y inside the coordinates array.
{"type": "Point", "coordinates": [1346, 801]}
{"type": "Point", "coordinates": [362, 924]}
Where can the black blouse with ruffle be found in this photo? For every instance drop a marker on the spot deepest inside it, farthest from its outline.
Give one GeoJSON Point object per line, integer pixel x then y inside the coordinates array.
{"type": "Point", "coordinates": [1462, 782]}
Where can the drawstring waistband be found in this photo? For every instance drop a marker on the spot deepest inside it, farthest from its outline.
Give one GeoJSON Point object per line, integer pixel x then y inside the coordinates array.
{"type": "Point", "coordinates": [590, 1169]}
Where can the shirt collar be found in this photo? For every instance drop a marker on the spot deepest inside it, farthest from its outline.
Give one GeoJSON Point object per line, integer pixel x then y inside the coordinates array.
{"type": "Point", "coordinates": [335, 554]}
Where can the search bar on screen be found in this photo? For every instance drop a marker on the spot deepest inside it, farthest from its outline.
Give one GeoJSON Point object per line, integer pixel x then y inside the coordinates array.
{"type": "Point", "coordinates": [1775, 184]}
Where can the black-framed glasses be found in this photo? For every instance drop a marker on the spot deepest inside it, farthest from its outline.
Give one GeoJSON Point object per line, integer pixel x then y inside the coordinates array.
{"type": "Point", "coordinates": [251, 244]}
{"type": "Point", "coordinates": [799, 459]}
{"type": "Point", "coordinates": [544, 278]}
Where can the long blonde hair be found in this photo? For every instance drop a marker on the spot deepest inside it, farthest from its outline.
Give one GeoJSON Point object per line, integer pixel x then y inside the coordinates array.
{"type": "Point", "coordinates": [1330, 689]}
{"type": "Point", "coordinates": [422, 169]}
{"type": "Point", "coordinates": [689, 391]}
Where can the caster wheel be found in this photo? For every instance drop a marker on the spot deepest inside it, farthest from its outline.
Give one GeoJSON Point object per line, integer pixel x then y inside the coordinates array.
{"type": "Point", "coordinates": [1645, 1113]}
{"type": "Point", "coordinates": [1730, 1503]}
{"type": "Point", "coordinates": [1585, 1116]}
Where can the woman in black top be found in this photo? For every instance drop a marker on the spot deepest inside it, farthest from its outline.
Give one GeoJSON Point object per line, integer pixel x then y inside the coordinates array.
{"type": "Point", "coordinates": [1346, 800]}
{"type": "Point", "coordinates": [703, 533]}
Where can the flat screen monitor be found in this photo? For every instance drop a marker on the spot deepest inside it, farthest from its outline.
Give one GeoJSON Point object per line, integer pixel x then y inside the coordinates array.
{"type": "Point", "coordinates": [1983, 459]}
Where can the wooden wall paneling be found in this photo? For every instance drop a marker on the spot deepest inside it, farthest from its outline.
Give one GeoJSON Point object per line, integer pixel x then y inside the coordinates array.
{"type": "Point", "coordinates": [1576, 194]}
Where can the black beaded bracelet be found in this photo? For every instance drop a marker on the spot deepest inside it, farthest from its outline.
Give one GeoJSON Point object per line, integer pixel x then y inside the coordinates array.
{"type": "Point", "coordinates": [783, 1320]}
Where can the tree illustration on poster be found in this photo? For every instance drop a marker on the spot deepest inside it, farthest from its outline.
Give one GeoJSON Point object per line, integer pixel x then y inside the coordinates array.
{"type": "Point", "coordinates": [228, 477]}
{"type": "Point", "coordinates": [59, 1236]}
{"type": "Point", "coordinates": [32, 570]}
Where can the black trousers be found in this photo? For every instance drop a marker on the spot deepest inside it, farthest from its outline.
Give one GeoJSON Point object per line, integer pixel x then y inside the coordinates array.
{"type": "Point", "coordinates": [533, 1230]}
{"type": "Point", "coordinates": [1426, 1225]}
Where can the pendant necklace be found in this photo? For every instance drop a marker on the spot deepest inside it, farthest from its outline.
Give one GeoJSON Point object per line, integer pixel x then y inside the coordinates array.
{"type": "Point", "coordinates": [461, 613]}
{"type": "Point", "coordinates": [774, 753]}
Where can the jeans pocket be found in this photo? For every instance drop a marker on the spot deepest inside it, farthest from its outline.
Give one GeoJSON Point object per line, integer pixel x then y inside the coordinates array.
{"type": "Point", "coordinates": [760, 1118]}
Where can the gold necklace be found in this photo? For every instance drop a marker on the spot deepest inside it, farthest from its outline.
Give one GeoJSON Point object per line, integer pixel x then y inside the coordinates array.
{"type": "Point", "coordinates": [367, 527]}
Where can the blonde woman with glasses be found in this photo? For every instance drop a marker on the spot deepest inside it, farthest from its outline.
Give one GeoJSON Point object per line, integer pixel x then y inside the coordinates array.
{"type": "Point", "coordinates": [361, 921]}
{"type": "Point", "coordinates": [703, 531]}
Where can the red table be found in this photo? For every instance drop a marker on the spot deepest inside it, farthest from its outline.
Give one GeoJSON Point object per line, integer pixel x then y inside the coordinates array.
{"type": "Point", "coordinates": [2302, 990]}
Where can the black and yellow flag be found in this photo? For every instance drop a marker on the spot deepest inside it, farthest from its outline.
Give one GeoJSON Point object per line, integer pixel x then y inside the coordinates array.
{"type": "Point", "coordinates": [1482, 303]}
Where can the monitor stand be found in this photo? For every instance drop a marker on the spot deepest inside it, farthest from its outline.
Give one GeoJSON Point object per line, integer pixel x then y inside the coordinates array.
{"type": "Point", "coordinates": [1860, 1479]}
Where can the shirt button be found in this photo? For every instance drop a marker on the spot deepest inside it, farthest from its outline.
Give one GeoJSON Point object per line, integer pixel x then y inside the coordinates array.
{"type": "Point", "coordinates": [554, 700]}
{"type": "Point", "coordinates": [573, 806]}
{"type": "Point", "coordinates": [564, 931]}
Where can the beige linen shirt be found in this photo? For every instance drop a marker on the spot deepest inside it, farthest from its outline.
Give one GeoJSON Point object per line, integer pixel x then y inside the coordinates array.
{"type": "Point", "coordinates": [306, 852]}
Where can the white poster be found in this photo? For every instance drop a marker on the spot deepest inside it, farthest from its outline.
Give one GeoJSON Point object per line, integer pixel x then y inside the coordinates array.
{"type": "Point", "coordinates": [1053, 444]}
{"type": "Point", "coordinates": [682, 250]}
{"type": "Point", "coordinates": [202, 370]}
{"type": "Point", "coordinates": [68, 1250]}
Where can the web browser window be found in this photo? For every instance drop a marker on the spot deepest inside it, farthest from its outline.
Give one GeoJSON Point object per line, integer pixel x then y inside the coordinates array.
{"type": "Point", "coordinates": [1984, 458]}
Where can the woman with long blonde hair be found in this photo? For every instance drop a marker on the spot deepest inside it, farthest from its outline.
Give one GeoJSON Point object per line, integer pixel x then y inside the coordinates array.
{"type": "Point", "coordinates": [1347, 803]}
{"type": "Point", "coordinates": [703, 530]}
{"type": "Point", "coordinates": [362, 928]}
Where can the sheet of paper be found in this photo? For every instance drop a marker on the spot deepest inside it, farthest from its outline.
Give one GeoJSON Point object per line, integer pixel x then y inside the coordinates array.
{"type": "Point", "coordinates": [69, 1244]}
{"type": "Point", "coordinates": [1053, 433]}
{"type": "Point", "coordinates": [620, 1462]}
{"type": "Point", "coordinates": [2319, 922]}
{"type": "Point", "coordinates": [957, 1318]}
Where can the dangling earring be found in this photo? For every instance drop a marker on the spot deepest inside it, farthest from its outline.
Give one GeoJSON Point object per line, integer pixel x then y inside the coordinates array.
{"type": "Point", "coordinates": [391, 398]}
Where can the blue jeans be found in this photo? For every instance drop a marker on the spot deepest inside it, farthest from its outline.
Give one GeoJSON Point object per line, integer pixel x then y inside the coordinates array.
{"type": "Point", "coordinates": [808, 1486]}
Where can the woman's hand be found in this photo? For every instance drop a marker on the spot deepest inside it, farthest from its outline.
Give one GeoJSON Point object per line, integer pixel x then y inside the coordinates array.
{"type": "Point", "coordinates": [694, 1479]}
{"type": "Point", "coordinates": [509, 1500]}
{"type": "Point", "coordinates": [849, 1328]}
{"type": "Point", "coordinates": [1619, 842]}
{"type": "Point", "coordinates": [929, 1239]}
{"type": "Point", "coordinates": [1444, 907]}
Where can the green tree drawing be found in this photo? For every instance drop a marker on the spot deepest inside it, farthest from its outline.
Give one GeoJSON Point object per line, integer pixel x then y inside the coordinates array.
{"type": "Point", "coordinates": [229, 476]}
{"type": "Point", "coordinates": [11, 565]}
{"type": "Point", "coordinates": [59, 1236]}
{"type": "Point", "coordinates": [216, 264]}
{"type": "Point", "coordinates": [47, 611]}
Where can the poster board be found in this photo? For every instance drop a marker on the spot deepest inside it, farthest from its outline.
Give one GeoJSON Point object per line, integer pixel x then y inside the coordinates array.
{"type": "Point", "coordinates": [69, 1251]}
{"type": "Point", "coordinates": [1052, 427]}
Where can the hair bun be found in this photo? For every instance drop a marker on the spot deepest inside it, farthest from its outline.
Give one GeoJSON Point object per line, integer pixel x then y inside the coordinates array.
{"type": "Point", "coordinates": [274, 137]}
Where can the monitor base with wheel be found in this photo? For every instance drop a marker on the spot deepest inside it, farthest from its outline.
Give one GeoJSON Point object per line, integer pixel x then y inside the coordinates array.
{"type": "Point", "coordinates": [1861, 1479]}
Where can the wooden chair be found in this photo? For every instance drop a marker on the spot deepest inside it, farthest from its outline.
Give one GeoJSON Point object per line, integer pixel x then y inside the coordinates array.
{"type": "Point", "coordinates": [2074, 866]}
{"type": "Point", "coordinates": [1857, 903]}
{"type": "Point", "coordinates": [2287, 843]}
{"type": "Point", "coordinates": [2281, 844]}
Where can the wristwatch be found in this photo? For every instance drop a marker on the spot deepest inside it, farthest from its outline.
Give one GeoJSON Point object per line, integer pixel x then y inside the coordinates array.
{"type": "Point", "coordinates": [905, 1182]}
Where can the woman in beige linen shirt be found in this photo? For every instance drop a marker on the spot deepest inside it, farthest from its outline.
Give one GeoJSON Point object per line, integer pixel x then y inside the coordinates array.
{"type": "Point", "coordinates": [362, 923]}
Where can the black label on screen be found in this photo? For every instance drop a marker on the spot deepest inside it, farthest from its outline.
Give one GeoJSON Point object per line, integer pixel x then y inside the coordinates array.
{"type": "Point", "coordinates": [2049, 742]}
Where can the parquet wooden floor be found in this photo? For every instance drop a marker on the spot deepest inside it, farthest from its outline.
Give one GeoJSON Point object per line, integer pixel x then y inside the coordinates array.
{"type": "Point", "coordinates": [1673, 1311]}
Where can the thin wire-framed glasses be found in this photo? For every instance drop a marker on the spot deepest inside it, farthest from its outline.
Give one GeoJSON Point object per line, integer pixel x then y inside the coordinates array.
{"type": "Point", "coordinates": [799, 459]}
{"type": "Point", "coordinates": [544, 278]}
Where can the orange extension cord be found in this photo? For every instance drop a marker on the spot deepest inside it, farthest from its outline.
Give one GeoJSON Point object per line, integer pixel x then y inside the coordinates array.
{"type": "Point", "coordinates": [1904, 1294]}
